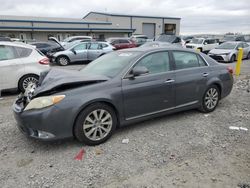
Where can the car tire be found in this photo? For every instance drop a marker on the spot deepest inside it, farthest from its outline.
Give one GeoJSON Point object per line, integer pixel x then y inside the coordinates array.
{"type": "Point", "coordinates": [63, 60]}
{"type": "Point", "coordinates": [248, 55]}
{"type": "Point", "coordinates": [210, 99]}
{"type": "Point", "coordinates": [26, 80]}
{"type": "Point", "coordinates": [95, 124]}
{"type": "Point", "coordinates": [232, 59]}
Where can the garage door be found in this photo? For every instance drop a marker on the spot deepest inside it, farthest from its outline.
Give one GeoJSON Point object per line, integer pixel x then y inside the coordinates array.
{"type": "Point", "coordinates": [149, 30]}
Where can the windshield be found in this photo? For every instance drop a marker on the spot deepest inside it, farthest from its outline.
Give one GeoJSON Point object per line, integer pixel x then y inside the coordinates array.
{"type": "Point", "coordinates": [110, 64]}
{"type": "Point", "coordinates": [166, 38]}
{"type": "Point", "coordinates": [227, 46]}
{"type": "Point", "coordinates": [197, 41]}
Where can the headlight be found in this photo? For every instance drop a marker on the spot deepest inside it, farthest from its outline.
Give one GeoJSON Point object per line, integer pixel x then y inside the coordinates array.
{"type": "Point", "coordinates": [225, 53]}
{"type": "Point", "coordinates": [42, 102]}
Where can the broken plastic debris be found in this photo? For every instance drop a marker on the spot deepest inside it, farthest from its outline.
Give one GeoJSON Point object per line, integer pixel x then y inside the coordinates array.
{"type": "Point", "coordinates": [125, 141]}
{"type": "Point", "coordinates": [79, 156]}
{"type": "Point", "coordinates": [238, 128]}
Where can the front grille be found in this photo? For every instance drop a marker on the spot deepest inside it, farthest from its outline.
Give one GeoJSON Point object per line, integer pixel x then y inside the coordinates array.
{"type": "Point", "coordinates": [217, 58]}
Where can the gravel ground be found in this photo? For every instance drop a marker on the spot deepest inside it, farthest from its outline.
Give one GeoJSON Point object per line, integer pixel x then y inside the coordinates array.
{"type": "Point", "coordinates": [188, 149]}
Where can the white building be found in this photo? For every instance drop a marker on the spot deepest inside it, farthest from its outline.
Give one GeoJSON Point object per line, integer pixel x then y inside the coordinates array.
{"type": "Point", "coordinates": [97, 24]}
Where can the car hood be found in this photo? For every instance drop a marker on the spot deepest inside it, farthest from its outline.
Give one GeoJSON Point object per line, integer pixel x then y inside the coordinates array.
{"type": "Point", "coordinates": [220, 51]}
{"type": "Point", "coordinates": [192, 44]}
{"type": "Point", "coordinates": [57, 80]}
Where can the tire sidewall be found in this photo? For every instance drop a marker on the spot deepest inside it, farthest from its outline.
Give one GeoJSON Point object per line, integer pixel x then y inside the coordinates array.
{"type": "Point", "coordinates": [58, 60]}
{"type": "Point", "coordinates": [78, 128]}
{"type": "Point", "coordinates": [233, 58]}
{"type": "Point", "coordinates": [204, 107]}
{"type": "Point", "coordinates": [20, 83]}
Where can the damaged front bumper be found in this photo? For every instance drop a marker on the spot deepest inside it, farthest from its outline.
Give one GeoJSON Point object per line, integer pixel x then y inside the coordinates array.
{"type": "Point", "coordinates": [42, 124]}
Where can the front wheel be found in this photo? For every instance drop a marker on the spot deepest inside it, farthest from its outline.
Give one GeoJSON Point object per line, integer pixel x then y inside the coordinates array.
{"type": "Point", "coordinates": [210, 99]}
{"type": "Point", "coordinates": [95, 124]}
{"type": "Point", "coordinates": [248, 55]}
{"type": "Point", "coordinates": [63, 60]}
{"type": "Point", "coordinates": [232, 59]}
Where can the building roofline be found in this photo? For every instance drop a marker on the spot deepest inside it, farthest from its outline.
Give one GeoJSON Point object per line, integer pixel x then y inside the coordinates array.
{"type": "Point", "coordinates": [55, 22]}
{"type": "Point", "coordinates": [126, 15]}
{"type": "Point", "coordinates": [65, 29]}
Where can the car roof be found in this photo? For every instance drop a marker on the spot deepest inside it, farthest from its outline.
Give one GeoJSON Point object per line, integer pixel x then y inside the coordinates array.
{"type": "Point", "coordinates": [154, 49]}
{"type": "Point", "coordinates": [17, 44]}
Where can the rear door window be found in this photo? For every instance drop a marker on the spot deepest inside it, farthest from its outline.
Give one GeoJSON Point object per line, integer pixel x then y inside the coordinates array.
{"type": "Point", "coordinates": [23, 52]}
{"type": "Point", "coordinates": [7, 53]}
{"type": "Point", "coordinates": [184, 60]}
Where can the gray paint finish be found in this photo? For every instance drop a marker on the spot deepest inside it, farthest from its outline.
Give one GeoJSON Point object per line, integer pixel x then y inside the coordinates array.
{"type": "Point", "coordinates": [134, 99]}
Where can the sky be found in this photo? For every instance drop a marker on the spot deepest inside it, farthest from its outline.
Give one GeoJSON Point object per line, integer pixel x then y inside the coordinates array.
{"type": "Point", "coordinates": [197, 16]}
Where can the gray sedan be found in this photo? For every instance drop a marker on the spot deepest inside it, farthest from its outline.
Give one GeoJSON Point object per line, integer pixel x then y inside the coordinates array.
{"type": "Point", "coordinates": [118, 89]}
{"type": "Point", "coordinates": [228, 51]}
{"type": "Point", "coordinates": [85, 51]}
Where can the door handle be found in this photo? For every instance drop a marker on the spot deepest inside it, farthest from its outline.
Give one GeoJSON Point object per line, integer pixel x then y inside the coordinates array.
{"type": "Point", "coordinates": [169, 81]}
{"type": "Point", "coordinates": [205, 74]}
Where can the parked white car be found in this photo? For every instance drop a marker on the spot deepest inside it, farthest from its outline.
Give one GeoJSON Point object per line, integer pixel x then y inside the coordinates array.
{"type": "Point", "coordinates": [20, 65]}
{"type": "Point", "coordinates": [228, 51]}
{"type": "Point", "coordinates": [203, 44]}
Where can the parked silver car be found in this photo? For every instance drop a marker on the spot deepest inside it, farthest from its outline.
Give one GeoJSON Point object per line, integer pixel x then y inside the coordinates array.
{"type": "Point", "coordinates": [85, 51]}
{"type": "Point", "coordinates": [20, 65]}
{"type": "Point", "coordinates": [228, 51]}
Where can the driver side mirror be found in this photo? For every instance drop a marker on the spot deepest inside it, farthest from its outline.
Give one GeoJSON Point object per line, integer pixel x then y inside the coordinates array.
{"type": "Point", "coordinates": [137, 71]}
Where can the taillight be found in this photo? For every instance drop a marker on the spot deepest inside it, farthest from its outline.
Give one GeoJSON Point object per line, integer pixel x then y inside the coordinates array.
{"type": "Point", "coordinates": [44, 61]}
{"type": "Point", "coordinates": [230, 70]}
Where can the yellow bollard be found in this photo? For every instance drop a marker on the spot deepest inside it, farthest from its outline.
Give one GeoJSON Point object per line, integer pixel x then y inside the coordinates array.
{"type": "Point", "coordinates": [239, 61]}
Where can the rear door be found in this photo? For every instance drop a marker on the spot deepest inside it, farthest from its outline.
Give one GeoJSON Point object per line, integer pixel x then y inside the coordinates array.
{"type": "Point", "coordinates": [192, 74]}
{"type": "Point", "coordinates": [81, 52]}
{"type": "Point", "coordinates": [94, 51]}
{"type": "Point", "coordinates": [10, 67]}
{"type": "Point", "coordinates": [150, 93]}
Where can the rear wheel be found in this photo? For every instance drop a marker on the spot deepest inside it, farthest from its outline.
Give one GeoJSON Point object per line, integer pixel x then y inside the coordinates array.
{"type": "Point", "coordinates": [62, 60]}
{"type": "Point", "coordinates": [95, 124]}
{"type": "Point", "coordinates": [210, 99]}
{"type": "Point", "coordinates": [27, 80]}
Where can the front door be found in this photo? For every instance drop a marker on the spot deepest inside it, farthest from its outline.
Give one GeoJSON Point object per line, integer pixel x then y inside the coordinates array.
{"type": "Point", "coordinates": [80, 52]}
{"type": "Point", "coordinates": [150, 93]}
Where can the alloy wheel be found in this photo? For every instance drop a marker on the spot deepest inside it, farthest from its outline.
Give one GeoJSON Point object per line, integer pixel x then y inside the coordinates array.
{"type": "Point", "coordinates": [211, 98]}
{"type": "Point", "coordinates": [28, 81]}
{"type": "Point", "coordinates": [63, 61]}
{"type": "Point", "coordinates": [97, 124]}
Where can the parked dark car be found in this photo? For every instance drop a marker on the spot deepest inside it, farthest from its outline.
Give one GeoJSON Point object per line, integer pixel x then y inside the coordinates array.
{"type": "Point", "coordinates": [121, 43]}
{"type": "Point", "coordinates": [173, 39]}
{"type": "Point", "coordinates": [118, 89]}
{"type": "Point", "coordinates": [48, 47]}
